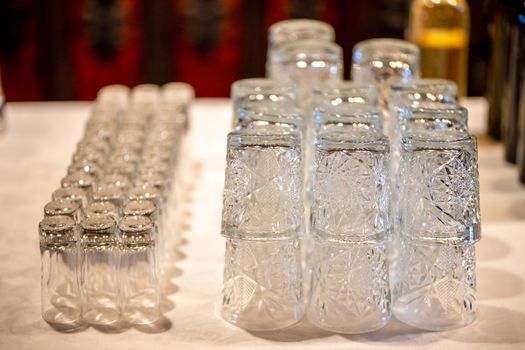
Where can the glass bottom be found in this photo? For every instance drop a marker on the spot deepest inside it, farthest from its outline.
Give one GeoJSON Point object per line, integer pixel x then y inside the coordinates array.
{"type": "Point", "coordinates": [101, 316]}
{"type": "Point", "coordinates": [140, 315]}
{"type": "Point", "coordinates": [62, 315]}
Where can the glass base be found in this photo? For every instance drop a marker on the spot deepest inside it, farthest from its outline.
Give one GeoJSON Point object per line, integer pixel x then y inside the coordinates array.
{"type": "Point", "coordinates": [101, 316]}
{"type": "Point", "coordinates": [140, 315]}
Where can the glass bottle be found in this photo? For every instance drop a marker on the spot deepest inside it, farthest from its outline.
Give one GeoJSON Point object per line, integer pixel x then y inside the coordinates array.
{"type": "Point", "coordinates": [441, 29]}
{"type": "Point", "coordinates": [58, 250]}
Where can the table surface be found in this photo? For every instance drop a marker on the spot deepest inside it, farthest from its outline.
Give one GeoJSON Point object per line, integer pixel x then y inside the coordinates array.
{"type": "Point", "coordinates": [35, 151]}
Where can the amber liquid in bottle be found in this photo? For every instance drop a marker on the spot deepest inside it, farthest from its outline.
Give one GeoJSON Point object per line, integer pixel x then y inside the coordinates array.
{"type": "Point", "coordinates": [441, 30]}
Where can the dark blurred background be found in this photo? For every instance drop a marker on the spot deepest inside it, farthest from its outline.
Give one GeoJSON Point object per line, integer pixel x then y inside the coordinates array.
{"type": "Point", "coordinates": [68, 49]}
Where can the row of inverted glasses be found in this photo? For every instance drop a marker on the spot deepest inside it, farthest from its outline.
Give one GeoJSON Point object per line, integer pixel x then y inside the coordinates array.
{"type": "Point", "coordinates": [100, 186]}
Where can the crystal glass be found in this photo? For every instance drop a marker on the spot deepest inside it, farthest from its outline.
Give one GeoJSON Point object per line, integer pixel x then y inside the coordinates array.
{"type": "Point", "coordinates": [262, 221]}
{"type": "Point", "coordinates": [349, 290]}
{"type": "Point", "coordinates": [177, 94]}
{"type": "Point", "coordinates": [247, 92]}
{"type": "Point", "coordinates": [262, 288]}
{"type": "Point", "coordinates": [263, 186]}
{"type": "Point", "coordinates": [384, 62]}
{"type": "Point", "coordinates": [148, 209]}
{"type": "Point", "coordinates": [72, 194]}
{"type": "Point", "coordinates": [86, 167]}
{"type": "Point", "coordinates": [436, 284]}
{"type": "Point", "coordinates": [139, 285]}
{"type": "Point", "coordinates": [291, 30]}
{"type": "Point", "coordinates": [346, 92]}
{"type": "Point", "coordinates": [424, 93]}
{"type": "Point", "coordinates": [443, 188]}
{"type": "Point", "coordinates": [115, 179]}
{"type": "Point", "coordinates": [435, 277]}
{"type": "Point", "coordinates": [307, 64]}
{"type": "Point", "coordinates": [63, 207]}
{"type": "Point", "coordinates": [98, 270]}
{"type": "Point", "coordinates": [115, 94]}
{"type": "Point", "coordinates": [96, 209]}
{"type": "Point", "coordinates": [277, 117]}
{"type": "Point", "coordinates": [58, 251]}
{"type": "Point", "coordinates": [108, 193]}
{"type": "Point", "coordinates": [79, 180]}
{"type": "Point", "coordinates": [356, 118]}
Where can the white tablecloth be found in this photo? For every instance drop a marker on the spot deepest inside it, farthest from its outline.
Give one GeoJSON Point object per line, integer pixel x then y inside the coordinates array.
{"type": "Point", "coordinates": [34, 153]}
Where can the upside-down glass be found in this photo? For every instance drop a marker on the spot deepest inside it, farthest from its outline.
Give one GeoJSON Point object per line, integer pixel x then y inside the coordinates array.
{"type": "Point", "coordinates": [139, 284]}
{"type": "Point", "coordinates": [98, 270]}
{"type": "Point", "coordinates": [64, 207]}
{"type": "Point", "coordinates": [269, 117]}
{"type": "Point", "coordinates": [247, 92]}
{"type": "Point", "coordinates": [346, 92]}
{"type": "Point", "coordinates": [262, 220]}
{"type": "Point", "coordinates": [383, 62]}
{"type": "Point", "coordinates": [307, 64]}
{"type": "Point", "coordinates": [349, 290]}
{"type": "Point", "coordinates": [435, 279]}
{"type": "Point", "coordinates": [58, 249]}
{"type": "Point", "coordinates": [287, 31]}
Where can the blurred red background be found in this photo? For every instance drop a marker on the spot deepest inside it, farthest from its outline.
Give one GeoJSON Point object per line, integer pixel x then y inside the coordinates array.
{"type": "Point", "coordinates": [65, 49]}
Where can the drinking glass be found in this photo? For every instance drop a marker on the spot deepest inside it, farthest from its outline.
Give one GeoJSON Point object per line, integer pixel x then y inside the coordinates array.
{"type": "Point", "coordinates": [98, 270]}
{"type": "Point", "coordinates": [247, 92]}
{"type": "Point", "coordinates": [262, 220]}
{"type": "Point", "coordinates": [58, 250]}
{"type": "Point", "coordinates": [291, 30]}
{"type": "Point", "coordinates": [383, 62]}
{"type": "Point", "coordinates": [137, 270]}
{"type": "Point", "coordinates": [435, 279]}
{"type": "Point", "coordinates": [346, 92]}
{"type": "Point", "coordinates": [349, 290]}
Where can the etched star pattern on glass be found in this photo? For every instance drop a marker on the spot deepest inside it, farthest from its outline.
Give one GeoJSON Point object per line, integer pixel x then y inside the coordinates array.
{"type": "Point", "coordinates": [437, 285]}
{"type": "Point", "coordinates": [442, 189]}
{"type": "Point", "coordinates": [440, 222]}
{"type": "Point", "coordinates": [262, 283]}
{"type": "Point", "coordinates": [263, 190]}
{"type": "Point", "coordinates": [350, 291]}
{"type": "Point", "coordinates": [262, 222]}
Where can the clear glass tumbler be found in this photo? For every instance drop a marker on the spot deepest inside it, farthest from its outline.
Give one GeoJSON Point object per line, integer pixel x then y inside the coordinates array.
{"type": "Point", "coordinates": [346, 92]}
{"type": "Point", "coordinates": [60, 290]}
{"type": "Point", "coordinates": [262, 221]}
{"type": "Point", "coordinates": [247, 92]}
{"type": "Point", "coordinates": [283, 32]}
{"type": "Point", "coordinates": [349, 290]}
{"type": "Point", "coordinates": [383, 62]}
{"type": "Point", "coordinates": [64, 207]}
{"type": "Point", "coordinates": [99, 255]}
{"type": "Point", "coordinates": [139, 284]}
{"type": "Point", "coordinates": [435, 279]}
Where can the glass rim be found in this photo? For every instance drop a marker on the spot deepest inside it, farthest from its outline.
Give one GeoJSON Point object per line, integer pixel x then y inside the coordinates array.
{"type": "Point", "coordinates": [64, 205]}
{"type": "Point", "coordinates": [288, 115]}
